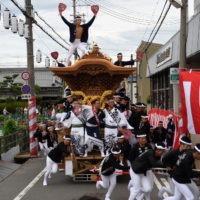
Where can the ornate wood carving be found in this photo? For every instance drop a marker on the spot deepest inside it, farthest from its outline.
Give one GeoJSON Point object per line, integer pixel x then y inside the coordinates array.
{"type": "Point", "coordinates": [93, 74]}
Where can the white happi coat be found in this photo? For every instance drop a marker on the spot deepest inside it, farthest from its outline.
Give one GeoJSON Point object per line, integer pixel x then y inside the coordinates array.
{"type": "Point", "coordinates": [113, 124]}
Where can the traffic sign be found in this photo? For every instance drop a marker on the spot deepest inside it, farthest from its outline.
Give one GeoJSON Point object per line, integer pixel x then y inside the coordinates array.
{"type": "Point", "coordinates": [174, 76]}
{"type": "Point", "coordinates": [25, 76]}
{"type": "Point", "coordinates": [26, 89]}
{"type": "Point", "coordinates": [26, 96]}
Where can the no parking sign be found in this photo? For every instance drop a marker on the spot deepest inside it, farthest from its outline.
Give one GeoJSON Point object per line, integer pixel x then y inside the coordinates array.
{"type": "Point", "coordinates": [26, 89]}
{"type": "Point", "coordinates": [25, 76]}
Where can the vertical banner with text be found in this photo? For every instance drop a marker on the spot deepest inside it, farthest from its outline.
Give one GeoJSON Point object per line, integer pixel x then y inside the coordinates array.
{"type": "Point", "coordinates": [190, 99]}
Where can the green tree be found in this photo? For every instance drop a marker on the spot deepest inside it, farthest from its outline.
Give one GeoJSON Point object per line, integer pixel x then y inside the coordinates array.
{"type": "Point", "coordinates": [10, 126]}
{"type": "Point", "coordinates": [37, 89]}
{"type": "Point", "coordinates": [9, 82]}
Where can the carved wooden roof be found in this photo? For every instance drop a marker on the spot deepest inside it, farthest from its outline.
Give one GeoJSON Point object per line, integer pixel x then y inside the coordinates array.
{"type": "Point", "coordinates": [93, 74]}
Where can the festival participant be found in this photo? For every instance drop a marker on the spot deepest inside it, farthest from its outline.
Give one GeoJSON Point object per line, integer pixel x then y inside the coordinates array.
{"type": "Point", "coordinates": [85, 122]}
{"type": "Point", "coordinates": [142, 174]}
{"type": "Point", "coordinates": [114, 120]}
{"type": "Point", "coordinates": [124, 146]}
{"type": "Point", "coordinates": [125, 107]}
{"type": "Point", "coordinates": [117, 100]}
{"type": "Point", "coordinates": [135, 117]}
{"type": "Point", "coordinates": [107, 171]}
{"type": "Point", "coordinates": [170, 131]}
{"type": "Point", "coordinates": [52, 138]}
{"type": "Point", "coordinates": [183, 173]}
{"type": "Point", "coordinates": [122, 63]}
{"type": "Point", "coordinates": [41, 138]}
{"type": "Point", "coordinates": [54, 157]}
{"type": "Point", "coordinates": [94, 120]}
{"type": "Point", "coordinates": [169, 160]}
{"type": "Point", "coordinates": [78, 34]}
{"type": "Point", "coordinates": [139, 148]}
{"type": "Point", "coordinates": [76, 120]}
{"type": "Point", "coordinates": [97, 119]}
{"type": "Point", "coordinates": [159, 133]}
{"type": "Point", "coordinates": [145, 126]}
{"type": "Point", "coordinates": [67, 103]}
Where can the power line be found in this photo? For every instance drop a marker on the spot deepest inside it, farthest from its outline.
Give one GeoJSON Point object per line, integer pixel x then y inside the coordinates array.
{"type": "Point", "coordinates": [36, 23]}
{"type": "Point", "coordinates": [165, 15]}
{"type": "Point", "coordinates": [157, 20]}
{"type": "Point", "coordinates": [122, 16]}
{"type": "Point", "coordinates": [154, 11]}
{"type": "Point", "coordinates": [51, 28]}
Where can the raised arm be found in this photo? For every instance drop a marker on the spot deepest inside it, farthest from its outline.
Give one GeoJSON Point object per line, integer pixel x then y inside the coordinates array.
{"type": "Point", "coordinates": [65, 20]}
{"type": "Point", "coordinates": [90, 22]}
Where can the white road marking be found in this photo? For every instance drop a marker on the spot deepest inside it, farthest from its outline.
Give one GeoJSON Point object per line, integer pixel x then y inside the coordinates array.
{"type": "Point", "coordinates": [159, 186]}
{"type": "Point", "coordinates": [30, 185]}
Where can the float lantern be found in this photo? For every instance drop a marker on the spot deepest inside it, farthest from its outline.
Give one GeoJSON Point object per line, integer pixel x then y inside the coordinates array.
{"type": "Point", "coordinates": [14, 24]}
{"type": "Point", "coordinates": [6, 18]}
{"type": "Point", "coordinates": [21, 28]}
{"type": "Point", "coordinates": [47, 62]}
{"type": "Point", "coordinates": [38, 56]}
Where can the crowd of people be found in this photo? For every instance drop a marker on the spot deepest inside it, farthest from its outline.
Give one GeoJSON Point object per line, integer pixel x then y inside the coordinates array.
{"type": "Point", "coordinates": [129, 145]}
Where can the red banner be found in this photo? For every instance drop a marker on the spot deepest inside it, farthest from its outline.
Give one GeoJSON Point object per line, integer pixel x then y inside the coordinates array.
{"type": "Point", "coordinates": [190, 99]}
{"type": "Point", "coordinates": [156, 115]}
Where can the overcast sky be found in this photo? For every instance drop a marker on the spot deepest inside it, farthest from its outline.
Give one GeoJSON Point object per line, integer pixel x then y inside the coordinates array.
{"type": "Point", "coordinates": [119, 27]}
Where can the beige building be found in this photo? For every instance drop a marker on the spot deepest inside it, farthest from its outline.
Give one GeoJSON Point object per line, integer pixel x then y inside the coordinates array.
{"type": "Point", "coordinates": [143, 83]}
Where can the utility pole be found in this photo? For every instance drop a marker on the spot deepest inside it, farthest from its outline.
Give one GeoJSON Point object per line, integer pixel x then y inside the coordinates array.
{"type": "Point", "coordinates": [29, 42]}
{"type": "Point", "coordinates": [131, 82]}
{"type": "Point", "coordinates": [183, 34]}
{"type": "Point", "coordinates": [74, 8]}
{"type": "Point", "coordinates": [74, 15]}
{"type": "Point", "coordinates": [182, 52]}
{"type": "Point", "coordinates": [30, 67]}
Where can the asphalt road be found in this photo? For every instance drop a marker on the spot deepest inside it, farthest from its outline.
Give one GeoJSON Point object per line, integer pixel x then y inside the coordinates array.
{"type": "Point", "coordinates": [26, 184]}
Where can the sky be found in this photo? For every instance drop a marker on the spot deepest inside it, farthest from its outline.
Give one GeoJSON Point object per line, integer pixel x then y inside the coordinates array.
{"type": "Point", "coordinates": [120, 26]}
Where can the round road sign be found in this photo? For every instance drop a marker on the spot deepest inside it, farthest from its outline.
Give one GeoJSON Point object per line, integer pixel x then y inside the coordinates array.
{"type": "Point", "coordinates": [26, 89]}
{"type": "Point", "coordinates": [25, 76]}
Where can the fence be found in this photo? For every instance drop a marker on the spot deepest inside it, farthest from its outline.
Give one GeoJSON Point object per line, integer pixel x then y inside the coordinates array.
{"type": "Point", "coordinates": [12, 140]}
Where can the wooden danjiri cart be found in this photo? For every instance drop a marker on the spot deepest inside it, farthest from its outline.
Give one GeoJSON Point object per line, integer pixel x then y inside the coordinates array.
{"type": "Point", "coordinates": [92, 76]}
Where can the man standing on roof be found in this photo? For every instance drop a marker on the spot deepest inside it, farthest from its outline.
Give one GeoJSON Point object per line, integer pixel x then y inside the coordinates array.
{"type": "Point", "coordinates": [78, 34]}
{"type": "Point", "coordinates": [122, 63]}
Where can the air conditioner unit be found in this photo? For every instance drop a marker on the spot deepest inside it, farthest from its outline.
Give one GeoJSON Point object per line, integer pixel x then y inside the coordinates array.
{"type": "Point", "coordinates": [176, 3]}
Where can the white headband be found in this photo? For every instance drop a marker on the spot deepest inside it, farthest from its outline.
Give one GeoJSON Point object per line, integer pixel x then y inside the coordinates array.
{"type": "Point", "coordinates": [66, 138]}
{"type": "Point", "coordinates": [69, 96]}
{"type": "Point", "coordinates": [145, 116]}
{"type": "Point", "coordinates": [139, 136]}
{"type": "Point", "coordinates": [182, 141]}
{"type": "Point", "coordinates": [160, 147]}
{"type": "Point", "coordinates": [115, 152]}
{"type": "Point", "coordinates": [197, 148]}
{"type": "Point", "coordinates": [122, 136]}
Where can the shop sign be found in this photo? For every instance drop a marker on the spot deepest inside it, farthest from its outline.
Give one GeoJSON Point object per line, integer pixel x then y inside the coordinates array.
{"type": "Point", "coordinates": [164, 56]}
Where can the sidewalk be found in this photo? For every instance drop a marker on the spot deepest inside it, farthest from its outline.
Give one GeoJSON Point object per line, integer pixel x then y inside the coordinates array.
{"type": "Point", "coordinates": [7, 168]}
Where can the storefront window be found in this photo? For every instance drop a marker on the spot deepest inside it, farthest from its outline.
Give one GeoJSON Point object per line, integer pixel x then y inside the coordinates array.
{"type": "Point", "coordinates": [161, 91]}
